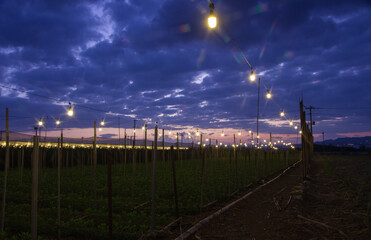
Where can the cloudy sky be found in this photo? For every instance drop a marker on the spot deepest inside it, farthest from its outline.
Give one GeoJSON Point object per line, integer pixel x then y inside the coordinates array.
{"type": "Point", "coordinates": [157, 61]}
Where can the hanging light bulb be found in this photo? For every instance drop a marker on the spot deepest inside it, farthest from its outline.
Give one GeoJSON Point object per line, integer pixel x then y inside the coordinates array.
{"type": "Point", "coordinates": [252, 76]}
{"type": "Point", "coordinates": [282, 113]}
{"type": "Point", "coordinates": [143, 128]}
{"type": "Point", "coordinates": [100, 129]}
{"type": "Point", "coordinates": [40, 122]}
{"type": "Point", "coordinates": [300, 132]}
{"type": "Point", "coordinates": [291, 123]}
{"type": "Point", "coordinates": [197, 133]}
{"type": "Point", "coordinates": [296, 127]}
{"type": "Point", "coordinates": [212, 19]}
{"type": "Point", "coordinates": [102, 123]}
{"type": "Point", "coordinates": [239, 133]}
{"type": "Point", "coordinates": [250, 132]}
{"type": "Point", "coordinates": [70, 111]}
{"type": "Point", "coordinates": [169, 132]}
{"type": "Point", "coordinates": [57, 122]}
{"type": "Point", "coordinates": [269, 95]}
{"type": "Point", "coordinates": [222, 134]}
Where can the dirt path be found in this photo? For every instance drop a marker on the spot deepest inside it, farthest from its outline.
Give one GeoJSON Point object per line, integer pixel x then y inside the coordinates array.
{"type": "Point", "coordinates": [334, 204]}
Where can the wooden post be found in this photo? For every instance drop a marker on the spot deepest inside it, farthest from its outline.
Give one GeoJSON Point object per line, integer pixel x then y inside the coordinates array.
{"type": "Point", "coordinates": [163, 145]}
{"type": "Point", "coordinates": [22, 164]}
{"type": "Point", "coordinates": [303, 140]}
{"type": "Point", "coordinates": [109, 183]}
{"type": "Point", "coordinates": [174, 181]}
{"type": "Point", "coordinates": [202, 178]}
{"type": "Point", "coordinates": [59, 185]}
{"type": "Point", "coordinates": [5, 168]}
{"type": "Point", "coordinates": [133, 166]}
{"type": "Point", "coordinates": [145, 147]}
{"type": "Point", "coordinates": [154, 175]}
{"type": "Point", "coordinates": [177, 146]}
{"type": "Point", "coordinates": [35, 188]}
{"type": "Point", "coordinates": [212, 170]}
{"type": "Point", "coordinates": [95, 165]}
{"type": "Point", "coordinates": [235, 161]}
{"type": "Point", "coordinates": [125, 152]}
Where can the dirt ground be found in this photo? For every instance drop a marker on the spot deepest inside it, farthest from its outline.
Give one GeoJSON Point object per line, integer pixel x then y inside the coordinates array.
{"type": "Point", "coordinates": [334, 203]}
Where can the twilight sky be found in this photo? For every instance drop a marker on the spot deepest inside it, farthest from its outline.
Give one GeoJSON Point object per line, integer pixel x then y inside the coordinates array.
{"type": "Point", "coordinates": [156, 60]}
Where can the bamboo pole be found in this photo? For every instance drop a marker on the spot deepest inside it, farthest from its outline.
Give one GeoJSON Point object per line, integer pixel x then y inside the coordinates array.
{"type": "Point", "coordinates": [5, 168]}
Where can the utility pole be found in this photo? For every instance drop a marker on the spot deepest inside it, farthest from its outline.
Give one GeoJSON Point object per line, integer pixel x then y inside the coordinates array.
{"type": "Point", "coordinates": [323, 138]}
{"type": "Point", "coordinates": [310, 116]}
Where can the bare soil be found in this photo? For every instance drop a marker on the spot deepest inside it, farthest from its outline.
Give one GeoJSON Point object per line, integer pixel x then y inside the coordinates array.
{"type": "Point", "coordinates": [333, 203]}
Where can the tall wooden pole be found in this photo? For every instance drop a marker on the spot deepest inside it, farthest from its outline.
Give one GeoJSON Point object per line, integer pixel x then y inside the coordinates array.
{"type": "Point", "coordinates": [257, 116]}
{"type": "Point", "coordinates": [163, 145]}
{"type": "Point", "coordinates": [145, 147]}
{"type": "Point", "coordinates": [154, 176]}
{"type": "Point", "coordinates": [35, 188]}
{"type": "Point", "coordinates": [5, 169]}
{"type": "Point", "coordinates": [174, 181]}
{"type": "Point", "coordinates": [109, 183]}
{"type": "Point", "coordinates": [95, 164]}
{"type": "Point", "coordinates": [59, 186]}
{"type": "Point", "coordinates": [177, 146]}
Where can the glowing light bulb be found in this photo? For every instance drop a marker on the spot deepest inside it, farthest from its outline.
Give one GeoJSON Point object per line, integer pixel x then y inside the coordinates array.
{"type": "Point", "coordinates": [70, 112]}
{"type": "Point", "coordinates": [249, 131]}
{"type": "Point", "coordinates": [296, 127]}
{"type": "Point", "coordinates": [143, 128]}
{"type": "Point", "coordinates": [57, 122]}
{"type": "Point", "coordinates": [169, 132]}
{"type": "Point", "coordinates": [100, 129]}
{"type": "Point", "coordinates": [291, 123]}
{"type": "Point", "coordinates": [239, 133]}
{"type": "Point", "coordinates": [269, 95]}
{"type": "Point", "coordinates": [212, 21]}
{"type": "Point", "coordinates": [252, 76]}
{"type": "Point", "coordinates": [41, 123]}
{"type": "Point", "coordinates": [102, 123]}
{"type": "Point", "coordinates": [282, 113]}
{"type": "Point", "coordinates": [300, 132]}
{"type": "Point", "coordinates": [197, 133]}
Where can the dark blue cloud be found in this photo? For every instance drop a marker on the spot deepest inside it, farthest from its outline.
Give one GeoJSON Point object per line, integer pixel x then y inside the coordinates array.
{"type": "Point", "coordinates": [157, 60]}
